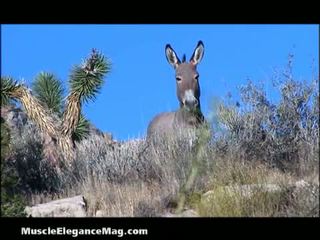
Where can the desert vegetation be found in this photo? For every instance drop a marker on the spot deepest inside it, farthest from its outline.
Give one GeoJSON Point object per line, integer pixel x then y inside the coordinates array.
{"type": "Point", "coordinates": [257, 157]}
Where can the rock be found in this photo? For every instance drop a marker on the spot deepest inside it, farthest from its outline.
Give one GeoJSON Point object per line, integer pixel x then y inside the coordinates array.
{"type": "Point", "coordinates": [185, 213]}
{"type": "Point", "coordinates": [301, 184]}
{"type": "Point", "coordinates": [245, 191]}
{"type": "Point", "coordinates": [16, 119]}
{"type": "Point", "coordinates": [21, 126]}
{"type": "Point", "coordinates": [95, 131]}
{"type": "Point", "coordinates": [208, 194]}
{"type": "Point", "coordinates": [248, 190]}
{"type": "Point", "coordinates": [189, 213]}
{"type": "Point", "coordinates": [168, 214]}
{"type": "Point", "coordinates": [305, 196]}
{"type": "Point", "coordinates": [67, 207]}
{"type": "Point", "coordinates": [101, 213]}
{"type": "Point", "coordinates": [301, 188]}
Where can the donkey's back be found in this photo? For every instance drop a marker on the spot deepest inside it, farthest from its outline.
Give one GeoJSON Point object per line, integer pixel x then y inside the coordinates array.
{"type": "Point", "coordinates": [171, 122]}
{"type": "Point", "coordinates": [162, 123]}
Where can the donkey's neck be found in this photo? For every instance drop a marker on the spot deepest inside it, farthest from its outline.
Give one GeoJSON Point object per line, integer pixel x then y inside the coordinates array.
{"type": "Point", "coordinates": [193, 118]}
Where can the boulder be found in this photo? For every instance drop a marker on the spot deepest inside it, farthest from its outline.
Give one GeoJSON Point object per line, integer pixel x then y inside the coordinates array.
{"type": "Point", "coordinates": [101, 213]}
{"type": "Point", "coordinates": [248, 190]}
{"type": "Point", "coordinates": [67, 207]}
{"type": "Point", "coordinates": [185, 213]}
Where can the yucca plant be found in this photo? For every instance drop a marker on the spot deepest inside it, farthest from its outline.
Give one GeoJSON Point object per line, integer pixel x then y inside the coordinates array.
{"type": "Point", "coordinates": [49, 90]}
{"type": "Point", "coordinates": [45, 107]}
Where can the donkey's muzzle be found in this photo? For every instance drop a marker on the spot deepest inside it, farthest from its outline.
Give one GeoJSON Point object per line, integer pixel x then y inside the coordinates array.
{"type": "Point", "coordinates": [189, 100]}
{"type": "Point", "coordinates": [191, 103]}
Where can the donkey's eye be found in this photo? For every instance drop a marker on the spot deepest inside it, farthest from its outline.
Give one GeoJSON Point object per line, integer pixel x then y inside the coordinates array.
{"type": "Point", "coordinates": [196, 77]}
{"type": "Point", "coordinates": [178, 79]}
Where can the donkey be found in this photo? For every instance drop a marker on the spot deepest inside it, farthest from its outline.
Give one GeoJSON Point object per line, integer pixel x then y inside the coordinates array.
{"type": "Point", "coordinates": [189, 114]}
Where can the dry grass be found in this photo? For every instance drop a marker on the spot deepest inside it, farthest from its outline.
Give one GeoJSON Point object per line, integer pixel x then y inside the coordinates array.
{"type": "Point", "coordinates": [238, 189]}
{"type": "Point", "coordinates": [121, 200]}
{"type": "Point", "coordinates": [135, 179]}
{"type": "Point", "coordinates": [128, 179]}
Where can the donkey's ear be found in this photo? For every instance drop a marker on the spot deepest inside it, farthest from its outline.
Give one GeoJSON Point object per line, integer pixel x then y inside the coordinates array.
{"type": "Point", "coordinates": [197, 53]}
{"type": "Point", "coordinates": [172, 56]}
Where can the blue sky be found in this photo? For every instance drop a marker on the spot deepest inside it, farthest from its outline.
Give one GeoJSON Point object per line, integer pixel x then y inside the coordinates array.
{"type": "Point", "coordinates": [142, 83]}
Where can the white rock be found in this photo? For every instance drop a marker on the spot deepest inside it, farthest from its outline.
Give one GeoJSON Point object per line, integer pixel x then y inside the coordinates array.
{"type": "Point", "coordinates": [67, 207]}
{"type": "Point", "coordinates": [101, 213]}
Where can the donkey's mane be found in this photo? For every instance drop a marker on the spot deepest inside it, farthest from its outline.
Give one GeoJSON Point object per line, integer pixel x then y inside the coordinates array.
{"type": "Point", "coordinates": [184, 58]}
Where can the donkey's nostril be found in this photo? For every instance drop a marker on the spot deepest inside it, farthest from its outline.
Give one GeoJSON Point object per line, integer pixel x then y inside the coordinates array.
{"type": "Point", "coordinates": [191, 103]}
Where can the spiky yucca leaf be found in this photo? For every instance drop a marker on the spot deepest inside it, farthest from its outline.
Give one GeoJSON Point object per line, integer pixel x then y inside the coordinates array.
{"type": "Point", "coordinates": [82, 129]}
{"type": "Point", "coordinates": [87, 79]}
{"type": "Point", "coordinates": [49, 90]}
{"type": "Point", "coordinates": [8, 87]}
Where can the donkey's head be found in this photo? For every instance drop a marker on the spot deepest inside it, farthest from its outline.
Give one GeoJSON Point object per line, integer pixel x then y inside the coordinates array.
{"type": "Point", "coordinates": [187, 77]}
